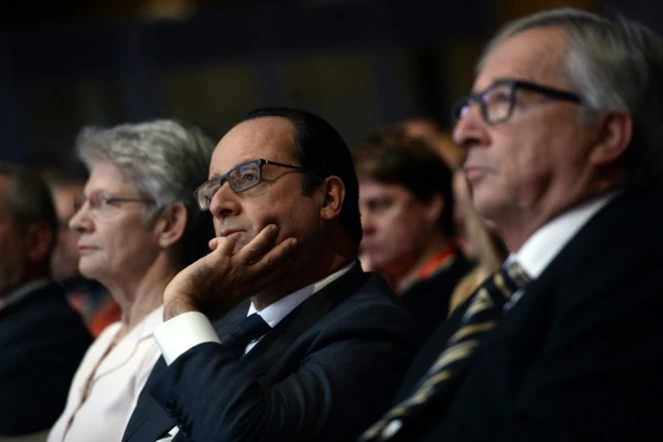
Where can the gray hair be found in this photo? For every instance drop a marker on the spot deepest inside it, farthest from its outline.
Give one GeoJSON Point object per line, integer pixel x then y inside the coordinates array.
{"type": "Point", "coordinates": [614, 66]}
{"type": "Point", "coordinates": [163, 160]}
{"type": "Point", "coordinates": [29, 199]}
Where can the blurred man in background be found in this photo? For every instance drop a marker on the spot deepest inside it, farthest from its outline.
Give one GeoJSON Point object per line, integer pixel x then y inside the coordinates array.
{"type": "Point", "coordinates": [42, 339]}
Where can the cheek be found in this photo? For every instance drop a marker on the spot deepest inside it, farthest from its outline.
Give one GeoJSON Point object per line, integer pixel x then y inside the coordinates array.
{"type": "Point", "coordinates": [398, 229]}
{"type": "Point", "coordinates": [523, 163]}
{"type": "Point", "coordinates": [13, 254]}
{"type": "Point", "coordinates": [127, 245]}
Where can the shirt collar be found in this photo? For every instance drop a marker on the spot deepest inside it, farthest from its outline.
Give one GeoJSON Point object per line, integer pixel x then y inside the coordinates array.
{"type": "Point", "coordinates": [274, 313]}
{"type": "Point", "coordinates": [542, 247]}
{"type": "Point", "coordinates": [21, 292]}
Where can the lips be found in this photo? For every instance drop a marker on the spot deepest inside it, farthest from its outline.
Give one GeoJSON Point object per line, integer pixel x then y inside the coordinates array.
{"type": "Point", "coordinates": [474, 173]}
{"type": "Point", "coordinates": [227, 232]}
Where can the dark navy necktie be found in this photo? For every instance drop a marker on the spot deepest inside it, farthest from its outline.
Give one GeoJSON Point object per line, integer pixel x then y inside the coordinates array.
{"type": "Point", "coordinates": [249, 329]}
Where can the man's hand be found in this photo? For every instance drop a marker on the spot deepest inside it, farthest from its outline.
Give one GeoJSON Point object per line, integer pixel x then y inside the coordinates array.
{"type": "Point", "coordinates": [216, 283]}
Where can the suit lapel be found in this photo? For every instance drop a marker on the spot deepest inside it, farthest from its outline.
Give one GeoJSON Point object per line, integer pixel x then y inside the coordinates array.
{"type": "Point", "coordinates": [280, 339]}
{"type": "Point", "coordinates": [225, 324]}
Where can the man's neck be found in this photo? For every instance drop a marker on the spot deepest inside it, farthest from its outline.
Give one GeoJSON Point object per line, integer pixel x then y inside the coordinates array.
{"type": "Point", "coordinates": [516, 229]}
{"type": "Point", "coordinates": [294, 280]}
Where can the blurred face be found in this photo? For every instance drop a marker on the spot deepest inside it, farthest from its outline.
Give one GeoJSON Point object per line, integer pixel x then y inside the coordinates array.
{"type": "Point", "coordinates": [64, 261]}
{"type": "Point", "coordinates": [530, 164]}
{"type": "Point", "coordinates": [14, 261]}
{"type": "Point", "coordinates": [276, 199]}
{"type": "Point", "coordinates": [397, 226]}
{"type": "Point", "coordinates": [114, 244]}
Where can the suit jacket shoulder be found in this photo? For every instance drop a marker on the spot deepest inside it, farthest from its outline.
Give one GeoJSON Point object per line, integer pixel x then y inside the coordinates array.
{"type": "Point", "coordinates": [578, 350]}
{"type": "Point", "coordinates": [42, 341]}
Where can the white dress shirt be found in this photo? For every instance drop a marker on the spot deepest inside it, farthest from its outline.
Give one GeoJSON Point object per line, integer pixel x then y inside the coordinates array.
{"type": "Point", "coordinates": [187, 330]}
{"type": "Point", "coordinates": [107, 384]}
{"type": "Point", "coordinates": [545, 244]}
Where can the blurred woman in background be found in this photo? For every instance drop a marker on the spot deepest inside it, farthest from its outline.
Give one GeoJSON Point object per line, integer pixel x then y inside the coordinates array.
{"type": "Point", "coordinates": [407, 206]}
{"type": "Point", "coordinates": [474, 237]}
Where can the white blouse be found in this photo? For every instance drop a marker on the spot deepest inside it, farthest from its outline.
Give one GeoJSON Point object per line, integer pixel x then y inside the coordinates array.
{"type": "Point", "coordinates": [105, 390]}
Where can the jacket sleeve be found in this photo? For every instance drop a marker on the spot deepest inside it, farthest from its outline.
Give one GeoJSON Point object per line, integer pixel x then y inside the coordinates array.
{"type": "Point", "coordinates": [343, 382]}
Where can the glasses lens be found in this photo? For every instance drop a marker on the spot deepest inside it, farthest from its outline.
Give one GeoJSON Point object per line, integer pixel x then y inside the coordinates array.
{"type": "Point", "coordinates": [244, 176]}
{"type": "Point", "coordinates": [460, 109]}
{"type": "Point", "coordinates": [497, 103]}
{"type": "Point", "coordinates": [205, 193]}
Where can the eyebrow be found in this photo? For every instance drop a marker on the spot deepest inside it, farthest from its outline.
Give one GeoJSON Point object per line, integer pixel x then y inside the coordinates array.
{"type": "Point", "coordinates": [496, 81]}
{"type": "Point", "coordinates": [218, 174]}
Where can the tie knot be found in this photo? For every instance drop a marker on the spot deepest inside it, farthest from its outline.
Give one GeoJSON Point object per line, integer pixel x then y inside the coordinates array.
{"type": "Point", "coordinates": [249, 329]}
{"type": "Point", "coordinates": [514, 276]}
{"type": "Point", "coordinates": [505, 282]}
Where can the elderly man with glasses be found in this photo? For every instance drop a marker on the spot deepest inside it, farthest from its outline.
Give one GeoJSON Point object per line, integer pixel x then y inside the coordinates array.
{"type": "Point", "coordinates": [308, 347]}
{"type": "Point", "coordinates": [563, 139]}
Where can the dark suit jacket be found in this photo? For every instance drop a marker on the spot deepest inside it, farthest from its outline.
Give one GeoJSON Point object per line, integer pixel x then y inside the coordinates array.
{"type": "Point", "coordinates": [428, 300]}
{"type": "Point", "coordinates": [42, 341]}
{"type": "Point", "coordinates": [324, 373]}
{"type": "Point", "coordinates": [579, 357]}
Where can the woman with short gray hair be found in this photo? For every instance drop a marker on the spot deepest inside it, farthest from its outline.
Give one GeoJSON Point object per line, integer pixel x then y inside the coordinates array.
{"type": "Point", "coordinates": [139, 226]}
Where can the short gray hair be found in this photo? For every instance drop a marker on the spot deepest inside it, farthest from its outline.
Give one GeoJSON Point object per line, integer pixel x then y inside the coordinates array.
{"type": "Point", "coordinates": [614, 65]}
{"type": "Point", "coordinates": [163, 159]}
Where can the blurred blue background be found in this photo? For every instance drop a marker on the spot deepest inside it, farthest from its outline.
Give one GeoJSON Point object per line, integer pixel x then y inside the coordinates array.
{"type": "Point", "coordinates": [360, 64]}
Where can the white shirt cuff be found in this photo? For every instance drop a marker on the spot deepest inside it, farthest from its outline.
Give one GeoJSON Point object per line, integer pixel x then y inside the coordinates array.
{"type": "Point", "coordinates": [185, 331]}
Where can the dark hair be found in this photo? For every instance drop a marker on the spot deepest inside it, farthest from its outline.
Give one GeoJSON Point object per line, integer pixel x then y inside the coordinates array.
{"type": "Point", "coordinates": [29, 199]}
{"type": "Point", "coordinates": [391, 157]}
{"type": "Point", "coordinates": [322, 150]}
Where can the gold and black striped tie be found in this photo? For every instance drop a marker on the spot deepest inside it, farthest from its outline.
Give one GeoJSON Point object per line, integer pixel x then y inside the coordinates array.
{"type": "Point", "coordinates": [481, 317]}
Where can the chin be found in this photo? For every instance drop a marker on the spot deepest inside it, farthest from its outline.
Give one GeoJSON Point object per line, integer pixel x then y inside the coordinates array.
{"type": "Point", "coordinates": [485, 202]}
{"type": "Point", "coordinates": [89, 270]}
{"type": "Point", "coordinates": [241, 242]}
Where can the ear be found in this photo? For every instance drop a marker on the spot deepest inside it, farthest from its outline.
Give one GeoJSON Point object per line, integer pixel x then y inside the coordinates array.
{"type": "Point", "coordinates": [433, 208]}
{"type": "Point", "coordinates": [171, 224]}
{"type": "Point", "coordinates": [39, 239]}
{"type": "Point", "coordinates": [333, 197]}
{"type": "Point", "coordinates": [615, 130]}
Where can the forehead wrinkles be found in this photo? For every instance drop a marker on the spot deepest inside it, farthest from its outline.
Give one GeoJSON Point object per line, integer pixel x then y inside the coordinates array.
{"type": "Point", "coordinates": [536, 54]}
{"type": "Point", "coordinates": [272, 138]}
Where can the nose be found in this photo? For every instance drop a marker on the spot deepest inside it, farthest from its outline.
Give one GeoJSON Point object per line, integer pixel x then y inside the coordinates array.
{"type": "Point", "coordinates": [471, 130]}
{"type": "Point", "coordinates": [81, 221]}
{"type": "Point", "coordinates": [225, 202]}
{"type": "Point", "coordinates": [367, 223]}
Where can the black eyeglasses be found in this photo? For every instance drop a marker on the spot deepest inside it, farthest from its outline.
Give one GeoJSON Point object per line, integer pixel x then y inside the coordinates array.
{"type": "Point", "coordinates": [103, 203]}
{"type": "Point", "coordinates": [498, 100]}
{"type": "Point", "coordinates": [241, 178]}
